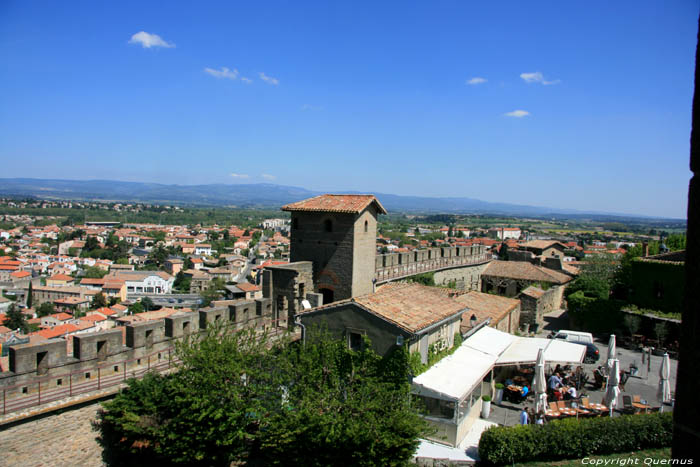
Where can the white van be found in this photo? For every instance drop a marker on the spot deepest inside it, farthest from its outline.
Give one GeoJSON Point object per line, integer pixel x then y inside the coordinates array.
{"type": "Point", "coordinates": [575, 337]}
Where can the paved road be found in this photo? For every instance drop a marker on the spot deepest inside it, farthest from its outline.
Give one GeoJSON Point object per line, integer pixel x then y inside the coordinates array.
{"type": "Point", "coordinates": [60, 440]}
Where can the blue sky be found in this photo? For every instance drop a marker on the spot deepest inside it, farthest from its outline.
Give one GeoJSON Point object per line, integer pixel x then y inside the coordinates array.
{"type": "Point", "coordinates": [366, 96]}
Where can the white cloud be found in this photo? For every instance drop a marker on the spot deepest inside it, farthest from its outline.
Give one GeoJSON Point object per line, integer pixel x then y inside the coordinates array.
{"type": "Point", "coordinates": [518, 113]}
{"type": "Point", "coordinates": [476, 80]}
{"type": "Point", "coordinates": [537, 77]}
{"type": "Point", "coordinates": [150, 40]}
{"type": "Point", "coordinates": [246, 80]}
{"type": "Point", "coordinates": [269, 79]}
{"type": "Point", "coordinates": [268, 177]}
{"type": "Point", "coordinates": [240, 175]}
{"type": "Point", "coordinates": [223, 73]}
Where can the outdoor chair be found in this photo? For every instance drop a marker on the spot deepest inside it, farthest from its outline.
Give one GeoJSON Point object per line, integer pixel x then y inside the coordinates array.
{"type": "Point", "coordinates": [584, 402]}
{"type": "Point", "coordinates": [636, 398]}
{"type": "Point", "coordinates": [553, 411]}
{"type": "Point", "coordinates": [627, 406]}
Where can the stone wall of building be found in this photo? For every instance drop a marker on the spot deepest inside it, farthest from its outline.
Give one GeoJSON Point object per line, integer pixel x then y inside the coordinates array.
{"type": "Point", "coordinates": [466, 277]}
{"type": "Point", "coordinates": [327, 240]}
{"type": "Point", "coordinates": [533, 309]}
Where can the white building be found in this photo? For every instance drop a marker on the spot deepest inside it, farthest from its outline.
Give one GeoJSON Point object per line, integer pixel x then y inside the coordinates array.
{"type": "Point", "coordinates": [505, 233]}
{"type": "Point", "coordinates": [151, 282]}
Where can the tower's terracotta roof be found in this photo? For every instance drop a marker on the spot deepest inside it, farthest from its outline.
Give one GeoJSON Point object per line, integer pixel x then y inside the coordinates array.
{"type": "Point", "coordinates": [351, 204]}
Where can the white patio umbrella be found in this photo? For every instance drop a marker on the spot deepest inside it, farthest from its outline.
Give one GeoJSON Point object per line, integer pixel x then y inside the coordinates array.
{"type": "Point", "coordinates": [612, 349]}
{"type": "Point", "coordinates": [613, 391]}
{"type": "Point", "coordinates": [539, 384]}
{"type": "Point", "coordinates": [664, 392]}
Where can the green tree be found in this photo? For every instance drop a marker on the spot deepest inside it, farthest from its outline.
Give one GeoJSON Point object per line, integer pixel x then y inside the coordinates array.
{"type": "Point", "coordinates": [30, 299]}
{"type": "Point", "coordinates": [240, 398]}
{"type": "Point", "coordinates": [182, 282]}
{"type": "Point", "coordinates": [14, 319]}
{"type": "Point", "coordinates": [136, 308]}
{"type": "Point", "coordinates": [99, 300]}
{"type": "Point", "coordinates": [213, 292]}
{"type": "Point", "coordinates": [45, 309]}
{"type": "Point", "coordinates": [148, 304]}
{"type": "Point", "coordinates": [158, 255]}
{"type": "Point", "coordinates": [343, 407]}
{"type": "Point", "coordinates": [94, 272]}
{"type": "Point", "coordinates": [596, 277]}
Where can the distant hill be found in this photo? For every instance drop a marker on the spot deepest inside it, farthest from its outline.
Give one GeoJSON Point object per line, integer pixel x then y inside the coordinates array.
{"type": "Point", "coordinates": [260, 195]}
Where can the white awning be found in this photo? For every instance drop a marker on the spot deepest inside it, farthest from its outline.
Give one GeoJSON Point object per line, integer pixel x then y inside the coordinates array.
{"type": "Point", "coordinates": [524, 351]}
{"type": "Point", "coordinates": [455, 376]}
{"type": "Point", "coordinates": [490, 341]}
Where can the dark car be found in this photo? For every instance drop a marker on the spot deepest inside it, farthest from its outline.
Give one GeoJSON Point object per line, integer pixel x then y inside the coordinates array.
{"type": "Point", "coordinates": [592, 354]}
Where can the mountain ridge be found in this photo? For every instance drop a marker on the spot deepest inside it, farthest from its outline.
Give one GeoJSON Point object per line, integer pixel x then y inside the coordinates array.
{"type": "Point", "coordinates": [259, 195]}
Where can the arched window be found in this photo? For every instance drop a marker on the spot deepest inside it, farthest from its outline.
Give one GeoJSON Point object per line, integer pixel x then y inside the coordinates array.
{"type": "Point", "coordinates": [366, 225]}
{"type": "Point", "coordinates": [328, 225]}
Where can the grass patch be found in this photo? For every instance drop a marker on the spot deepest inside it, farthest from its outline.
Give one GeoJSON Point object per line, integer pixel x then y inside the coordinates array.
{"type": "Point", "coordinates": [662, 453]}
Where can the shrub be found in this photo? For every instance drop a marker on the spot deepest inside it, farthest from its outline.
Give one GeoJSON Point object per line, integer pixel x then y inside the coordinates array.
{"type": "Point", "coordinates": [499, 386]}
{"type": "Point", "coordinates": [571, 438]}
{"type": "Point", "coordinates": [486, 398]}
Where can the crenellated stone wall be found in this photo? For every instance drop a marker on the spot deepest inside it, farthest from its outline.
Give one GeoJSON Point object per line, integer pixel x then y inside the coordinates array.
{"type": "Point", "coordinates": [119, 351]}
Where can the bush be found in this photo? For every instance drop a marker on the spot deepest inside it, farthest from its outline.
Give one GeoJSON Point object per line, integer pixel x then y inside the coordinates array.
{"type": "Point", "coordinates": [571, 438]}
{"type": "Point", "coordinates": [486, 398]}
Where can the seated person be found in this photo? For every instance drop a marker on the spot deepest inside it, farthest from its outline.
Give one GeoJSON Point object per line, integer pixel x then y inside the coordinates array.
{"type": "Point", "coordinates": [570, 393]}
{"type": "Point", "coordinates": [558, 394]}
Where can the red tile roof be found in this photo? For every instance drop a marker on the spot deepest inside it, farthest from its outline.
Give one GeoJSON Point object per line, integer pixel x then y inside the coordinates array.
{"type": "Point", "coordinates": [485, 306]}
{"type": "Point", "coordinates": [351, 204]}
{"type": "Point", "coordinates": [60, 277]}
{"type": "Point", "coordinates": [247, 287]}
{"type": "Point", "coordinates": [525, 271]}
{"type": "Point", "coordinates": [409, 306]}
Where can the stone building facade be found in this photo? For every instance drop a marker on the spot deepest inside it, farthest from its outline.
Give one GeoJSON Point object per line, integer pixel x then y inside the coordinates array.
{"type": "Point", "coordinates": [337, 234]}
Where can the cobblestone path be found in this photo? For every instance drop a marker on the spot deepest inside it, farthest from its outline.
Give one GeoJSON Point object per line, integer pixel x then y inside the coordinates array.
{"type": "Point", "coordinates": [66, 439]}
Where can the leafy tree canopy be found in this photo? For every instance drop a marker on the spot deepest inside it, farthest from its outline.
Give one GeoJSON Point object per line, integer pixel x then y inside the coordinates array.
{"type": "Point", "coordinates": [45, 309]}
{"type": "Point", "coordinates": [14, 319]}
{"type": "Point", "coordinates": [238, 398]}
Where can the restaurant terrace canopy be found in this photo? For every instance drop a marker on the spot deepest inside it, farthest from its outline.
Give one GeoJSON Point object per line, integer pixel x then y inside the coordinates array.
{"type": "Point", "coordinates": [514, 350]}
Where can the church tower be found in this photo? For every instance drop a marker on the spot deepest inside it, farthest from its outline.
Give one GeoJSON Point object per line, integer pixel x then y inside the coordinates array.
{"type": "Point", "coordinates": [338, 234]}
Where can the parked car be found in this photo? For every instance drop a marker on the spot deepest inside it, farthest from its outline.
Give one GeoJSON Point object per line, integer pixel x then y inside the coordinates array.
{"type": "Point", "coordinates": [576, 337]}
{"type": "Point", "coordinates": [592, 353]}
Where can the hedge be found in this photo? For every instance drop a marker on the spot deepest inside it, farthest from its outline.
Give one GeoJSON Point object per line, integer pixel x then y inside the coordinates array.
{"type": "Point", "coordinates": [573, 439]}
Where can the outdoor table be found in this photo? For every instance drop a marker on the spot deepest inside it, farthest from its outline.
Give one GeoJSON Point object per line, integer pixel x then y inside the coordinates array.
{"type": "Point", "coordinates": [568, 411]}
{"type": "Point", "coordinates": [640, 406]}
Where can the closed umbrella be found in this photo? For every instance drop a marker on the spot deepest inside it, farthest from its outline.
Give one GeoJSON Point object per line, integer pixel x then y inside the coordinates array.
{"type": "Point", "coordinates": [611, 352]}
{"type": "Point", "coordinates": [613, 391]}
{"type": "Point", "coordinates": [539, 385]}
{"type": "Point", "coordinates": [664, 393]}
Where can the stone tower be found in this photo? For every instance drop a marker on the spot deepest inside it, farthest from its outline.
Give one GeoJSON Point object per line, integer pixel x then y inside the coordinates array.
{"type": "Point", "coordinates": [338, 234]}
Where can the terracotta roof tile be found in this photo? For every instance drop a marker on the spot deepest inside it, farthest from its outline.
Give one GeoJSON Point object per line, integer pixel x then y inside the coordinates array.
{"type": "Point", "coordinates": [411, 307]}
{"type": "Point", "coordinates": [485, 306]}
{"type": "Point", "coordinates": [525, 271]}
{"type": "Point", "coordinates": [352, 204]}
